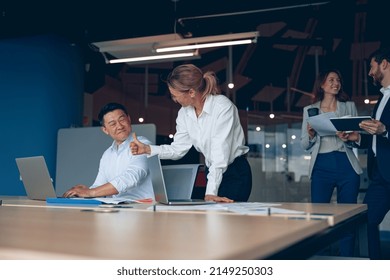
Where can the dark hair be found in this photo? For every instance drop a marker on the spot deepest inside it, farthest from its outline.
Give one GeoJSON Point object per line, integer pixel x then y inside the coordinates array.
{"type": "Point", "coordinates": [187, 76]}
{"type": "Point", "coordinates": [321, 78]}
{"type": "Point", "coordinates": [109, 108]}
{"type": "Point", "coordinates": [381, 54]}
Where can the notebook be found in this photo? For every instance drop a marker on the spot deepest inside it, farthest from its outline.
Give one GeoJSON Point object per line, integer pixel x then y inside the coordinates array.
{"type": "Point", "coordinates": [160, 189]}
{"type": "Point", "coordinates": [35, 176]}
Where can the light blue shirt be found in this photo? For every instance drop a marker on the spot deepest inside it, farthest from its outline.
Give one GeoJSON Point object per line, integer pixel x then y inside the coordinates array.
{"type": "Point", "coordinates": [128, 173]}
{"type": "Point", "coordinates": [217, 133]}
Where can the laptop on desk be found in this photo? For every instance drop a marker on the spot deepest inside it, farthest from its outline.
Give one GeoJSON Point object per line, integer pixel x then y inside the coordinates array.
{"type": "Point", "coordinates": [160, 187]}
{"type": "Point", "coordinates": [39, 185]}
{"type": "Point", "coordinates": [180, 180]}
{"type": "Point", "coordinates": [36, 178]}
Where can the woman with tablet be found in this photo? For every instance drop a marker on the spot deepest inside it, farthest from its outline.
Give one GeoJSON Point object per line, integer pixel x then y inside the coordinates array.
{"type": "Point", "coordinates": [333, 164]}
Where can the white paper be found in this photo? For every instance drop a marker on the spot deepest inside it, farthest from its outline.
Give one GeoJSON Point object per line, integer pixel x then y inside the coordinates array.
{"type": "Point", "coordinates": [243, 208]}
{"type": "Point", "coordinates": [203, 207]}
{"type": "Point", "coordinates": [114, 200]}
{"type": "Point", "coordinates": [322, 125]}
{"type": "Point", "coordinates": [257, 208]}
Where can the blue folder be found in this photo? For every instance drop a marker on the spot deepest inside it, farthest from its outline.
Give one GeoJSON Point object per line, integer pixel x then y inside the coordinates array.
{"type": "Point", "coordinates": [72, 200]}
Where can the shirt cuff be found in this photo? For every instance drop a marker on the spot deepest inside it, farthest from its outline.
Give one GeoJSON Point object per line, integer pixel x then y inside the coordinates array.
{"type": "Point", "coordinates": [359, 140]}
{"type": "Point", "coordinates": [155, 150]}
{"type": "Point", "coordinates": [211, 190]}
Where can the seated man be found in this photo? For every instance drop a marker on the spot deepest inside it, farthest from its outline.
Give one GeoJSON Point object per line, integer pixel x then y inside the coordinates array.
{"type": "Point", "coordinates": [121, 174]}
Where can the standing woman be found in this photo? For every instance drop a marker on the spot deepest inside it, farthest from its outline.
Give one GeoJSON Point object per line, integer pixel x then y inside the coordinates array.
{"type": "Point", "coordinates": [333, 163]}
{"type": "Point", "coordinates": [210, 122]}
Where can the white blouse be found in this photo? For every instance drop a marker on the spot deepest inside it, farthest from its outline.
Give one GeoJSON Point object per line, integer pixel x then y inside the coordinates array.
{"type": "Point", "coordinates": [217, 133]}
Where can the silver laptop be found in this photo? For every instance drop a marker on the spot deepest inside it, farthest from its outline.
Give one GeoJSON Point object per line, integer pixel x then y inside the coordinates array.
{"type": "Point", "coordinates": [180, 180]}
{"type": "Point", "coordinates": [36, 178]}
{"type": "Point", "coordinates": [160, 189]}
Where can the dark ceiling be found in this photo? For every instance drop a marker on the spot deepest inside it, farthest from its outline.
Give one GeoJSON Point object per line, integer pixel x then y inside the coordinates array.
{"type": "Point", "coordinates": [283, 57]}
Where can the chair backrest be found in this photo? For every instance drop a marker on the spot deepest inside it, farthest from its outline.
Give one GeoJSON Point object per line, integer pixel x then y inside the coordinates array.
{"type": "Point", "coordinates": [79, 151]}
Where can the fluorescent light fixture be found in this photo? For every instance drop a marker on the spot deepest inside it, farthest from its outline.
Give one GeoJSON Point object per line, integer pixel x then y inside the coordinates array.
{"type": "Point", "coordinates": [152, 57]}
{"type": "Point", "coordinates": [205, 45]}
{"type": "Point", "coordinates": [152, 49]}
{"type": "Point", "coordinates": [207, 42]}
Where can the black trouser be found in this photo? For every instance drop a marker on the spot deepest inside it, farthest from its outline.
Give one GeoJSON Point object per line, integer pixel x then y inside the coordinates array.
{"type": "Point", "coordinates": [237, 180]}
{"type": "Point", "coordinates": [378, 203]}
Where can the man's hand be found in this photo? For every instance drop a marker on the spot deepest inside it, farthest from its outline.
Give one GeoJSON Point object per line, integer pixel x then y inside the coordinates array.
{"type": "Point", "coordinates": [138, 148]}
{"type": "Point", "coordinates": [373, 127]}
{"type": "Point", "coordinates": [78, 191]}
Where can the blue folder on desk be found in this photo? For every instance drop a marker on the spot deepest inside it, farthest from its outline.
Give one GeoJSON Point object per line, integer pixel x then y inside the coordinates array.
{"type": "Point", "coordinates": [73, 200]}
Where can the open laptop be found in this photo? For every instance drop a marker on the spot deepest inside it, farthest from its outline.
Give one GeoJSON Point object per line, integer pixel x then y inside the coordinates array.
{"type": "Point", "coordinates": [39, 185]}
{"type": "Point", "coordinates": [160, 189]}
{"type": "Point", "coordinates": [36, 178]}
{"type": "Point", "coordinates": [180, 180]}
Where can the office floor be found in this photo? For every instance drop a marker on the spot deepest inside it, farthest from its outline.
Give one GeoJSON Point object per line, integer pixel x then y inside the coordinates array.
{"type": "Point", "coordinates": [385, 253]}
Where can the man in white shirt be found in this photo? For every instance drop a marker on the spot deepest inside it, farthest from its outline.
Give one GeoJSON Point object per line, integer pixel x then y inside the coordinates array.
{"type": "Point", "coordinates": [121, 174]}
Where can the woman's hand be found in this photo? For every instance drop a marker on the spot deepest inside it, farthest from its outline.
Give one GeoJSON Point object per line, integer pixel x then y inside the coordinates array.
{"type": "Point", "coordinates": [312, 133]}
{"type": "Point", "coordinates": [348, 135]}
{"type": "Point", "coordinates": [209, 197]}
{"type": "Point", "coordinates": [137, 147]}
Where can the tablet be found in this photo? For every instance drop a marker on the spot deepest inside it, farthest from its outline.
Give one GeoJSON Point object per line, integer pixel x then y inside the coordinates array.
{"type": "Point", "coordinates": [349, 123]}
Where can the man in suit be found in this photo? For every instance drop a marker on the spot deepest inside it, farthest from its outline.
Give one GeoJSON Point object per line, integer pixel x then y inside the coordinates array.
{"type": "Point", "coordinates": [377, 142]}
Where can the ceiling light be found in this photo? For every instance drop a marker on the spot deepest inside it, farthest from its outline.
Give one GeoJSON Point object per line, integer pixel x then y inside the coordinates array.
{"type": "Point", "coordinates": [207, 42]}
{"type": "Point", "coordinates": [151, 49]}
{"type": "Point", "coordinates": [205, 45]}
{"type": "Point", "coordinates": [140, 50]}
{"type": "Point", "coordinates": [153, 58]}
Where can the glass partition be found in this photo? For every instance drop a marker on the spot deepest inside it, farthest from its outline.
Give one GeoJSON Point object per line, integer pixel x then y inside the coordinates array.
{"type": "Point", "coordinates": [280, 166]}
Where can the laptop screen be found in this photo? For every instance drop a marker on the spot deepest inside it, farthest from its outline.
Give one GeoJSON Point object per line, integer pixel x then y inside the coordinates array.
{"type": "Point", "coordinates": [180, 180]}
{"type": "Point", "coordinates": [35, 176]}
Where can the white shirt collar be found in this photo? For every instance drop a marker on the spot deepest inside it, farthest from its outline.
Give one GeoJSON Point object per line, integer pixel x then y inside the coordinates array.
{"type": "Point", "coordinates": [385, 90]}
